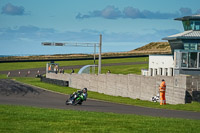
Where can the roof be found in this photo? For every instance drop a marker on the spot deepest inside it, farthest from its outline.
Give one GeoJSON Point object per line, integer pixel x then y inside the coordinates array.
{"type": "Point", "coordinates": [184, 35]}
{"type": "Point", "coordinates": [192, 17]}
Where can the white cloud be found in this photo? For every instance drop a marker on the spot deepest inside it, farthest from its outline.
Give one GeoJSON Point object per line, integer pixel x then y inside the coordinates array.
{"type": "Point", "coordinates": [111, 12]}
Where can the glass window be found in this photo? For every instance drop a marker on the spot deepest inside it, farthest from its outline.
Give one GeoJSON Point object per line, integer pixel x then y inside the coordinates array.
{"type": "Point", "coordinates": [198, 46]}
{"type": "Point", "coordinates": [176, 59]}
{"type": "Point", "coordinates": [197, 25]}
{"type": "Point", "coordinates": [191, 25]}
{"type": "Point", "coordinates": [186, 25]}
{"type": "Point", "coordinates": [193, 46]}
{"type": "Point", "coordinates": [186, 46]}
{"type": "Point", "coordinates": [192, 60]}
{"type": "Point", "coordinates": [184, 60]}
{"type": "Point", "coordinates": [199, 59]}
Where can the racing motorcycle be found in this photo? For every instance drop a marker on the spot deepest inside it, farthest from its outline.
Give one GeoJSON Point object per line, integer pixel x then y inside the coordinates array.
{"type": "Point", "coordinates": [75, 98]}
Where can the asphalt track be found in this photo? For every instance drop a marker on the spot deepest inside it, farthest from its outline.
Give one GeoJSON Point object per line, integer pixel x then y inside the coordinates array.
{"type": "Point", "coordinates": [15, 93]}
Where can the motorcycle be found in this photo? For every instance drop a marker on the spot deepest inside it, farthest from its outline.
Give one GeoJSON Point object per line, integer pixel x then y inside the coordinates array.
{"type": "Point", "coordinates": [75, 98]}
{"type": "Point", "coordinates": [156, 98]}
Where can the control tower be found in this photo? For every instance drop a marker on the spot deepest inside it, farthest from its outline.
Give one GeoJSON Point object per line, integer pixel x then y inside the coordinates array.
{"type": "Point", "coordinates": [185, 47]}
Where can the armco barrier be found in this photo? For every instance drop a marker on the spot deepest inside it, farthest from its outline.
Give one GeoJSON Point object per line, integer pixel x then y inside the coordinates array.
{"type": "Point", "coordinates": [135, 86]}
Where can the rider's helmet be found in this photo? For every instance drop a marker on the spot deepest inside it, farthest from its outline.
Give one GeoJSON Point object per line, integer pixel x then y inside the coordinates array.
{"type": "Point", "coordinates": [84, 89]}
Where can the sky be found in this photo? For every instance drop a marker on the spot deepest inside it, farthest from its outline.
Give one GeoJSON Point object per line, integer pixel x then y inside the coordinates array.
{"type": "Point", "coordinates": [124, 24]}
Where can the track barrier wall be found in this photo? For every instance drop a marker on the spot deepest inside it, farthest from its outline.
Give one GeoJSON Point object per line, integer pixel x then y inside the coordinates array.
{"type": "Point", "coordinates": [180, 89]}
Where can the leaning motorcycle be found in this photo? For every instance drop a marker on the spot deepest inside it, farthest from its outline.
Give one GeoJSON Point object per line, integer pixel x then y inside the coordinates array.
{"type": "Point", "coordinates": [75, 98]}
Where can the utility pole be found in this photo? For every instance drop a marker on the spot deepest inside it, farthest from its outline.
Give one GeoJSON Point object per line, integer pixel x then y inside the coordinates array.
{"type": "Point", "coordinates": [100, 44]}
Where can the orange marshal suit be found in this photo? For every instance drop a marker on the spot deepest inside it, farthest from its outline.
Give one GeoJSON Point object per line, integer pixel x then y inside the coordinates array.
{"type": "Point", "coordinates": [162, 90]}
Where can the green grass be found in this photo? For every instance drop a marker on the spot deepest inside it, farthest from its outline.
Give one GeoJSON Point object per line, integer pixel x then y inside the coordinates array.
{"type": "Point", "coordinates": [195, 106]}
{"type": "Point", "coordinates": [123, 69]}
{"type": "Point", "coordinates": [23, 119]}
{"type": "Point", "coordinates": [26, 65]}
{"type": "Point", "coordinates": [21, 65]}
{"type": "Point", "coordinates": [2, 76]}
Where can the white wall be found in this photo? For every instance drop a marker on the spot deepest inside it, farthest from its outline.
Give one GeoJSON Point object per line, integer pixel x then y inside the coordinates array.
{"type": "Point", "coordinates": [161, 61]}
{"type": "Point", "coordinates": [161, 65]}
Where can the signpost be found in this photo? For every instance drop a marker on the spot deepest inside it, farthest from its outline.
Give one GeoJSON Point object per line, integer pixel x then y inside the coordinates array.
{"type": "Point", "coordinates": [80, 45]}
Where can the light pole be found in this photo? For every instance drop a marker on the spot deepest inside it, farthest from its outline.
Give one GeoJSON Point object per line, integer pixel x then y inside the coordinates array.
{"type": "Point", "coordinates": [100, 45]}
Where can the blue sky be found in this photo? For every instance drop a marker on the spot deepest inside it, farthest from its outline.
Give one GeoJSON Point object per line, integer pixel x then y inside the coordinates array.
{"type": "Point", "coordinates": [24, 24]}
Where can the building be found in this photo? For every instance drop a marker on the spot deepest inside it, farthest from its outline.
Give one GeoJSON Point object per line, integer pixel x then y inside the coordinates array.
{"type": "Point", "coordinates": [161, 65]}
{"type": "Point", "coordinates": [185, 47]}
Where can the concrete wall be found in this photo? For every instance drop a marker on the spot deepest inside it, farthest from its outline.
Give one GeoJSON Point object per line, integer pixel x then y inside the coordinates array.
{"type": "Point", "coordinates": [133, 86]}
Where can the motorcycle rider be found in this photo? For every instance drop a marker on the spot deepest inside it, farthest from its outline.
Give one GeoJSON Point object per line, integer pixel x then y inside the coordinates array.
{"type": "Point", "coordinates": [83, 94]}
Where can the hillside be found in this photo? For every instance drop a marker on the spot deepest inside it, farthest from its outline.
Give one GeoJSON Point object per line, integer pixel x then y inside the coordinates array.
{"type": "Point", "coordinates": [154, 48]}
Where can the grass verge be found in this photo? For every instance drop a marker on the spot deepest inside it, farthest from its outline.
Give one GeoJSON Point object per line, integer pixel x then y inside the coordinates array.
{"type": "Point", "coordinates": [19, 119]}
{"type": "Point", "coordinates": [122, 69]}
{"type": "Point", "coordinates": [195, 106]}
{"type": "Point", "coordinates": [27, 65]}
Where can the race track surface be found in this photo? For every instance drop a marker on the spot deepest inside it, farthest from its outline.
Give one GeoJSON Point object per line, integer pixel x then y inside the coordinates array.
{"type": "Point", "coordinates": [15, 93]}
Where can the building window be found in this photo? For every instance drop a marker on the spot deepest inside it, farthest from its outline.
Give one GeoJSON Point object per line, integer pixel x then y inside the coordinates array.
{"type": "Point", "coordinates": [191, 46]}
{"type": "Point", "coordinates": [198, 46]}
{"type": "Point", "coordinates": [197, 25]}
{"type": "Point", "coordinates": [186, 46]}
{"type": "Point", "coordinates": [187, 25]}
{"type": "Point", "coordinates": [176, 59]}
{"type": "Point", "coordinates": [191, 25]}
{"type": "Point", "coordinates": [184, 60]}
{"type": "Point", "coordinates": [193, 60]}
{"type": "Point", "coordinates": [199, 59]}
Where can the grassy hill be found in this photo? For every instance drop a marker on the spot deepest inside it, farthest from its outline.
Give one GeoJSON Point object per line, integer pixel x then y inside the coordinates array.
{"type": "Point", "coordinates": [154, 48]}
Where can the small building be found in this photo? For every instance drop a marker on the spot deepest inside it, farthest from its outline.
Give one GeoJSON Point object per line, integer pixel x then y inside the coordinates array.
{"type": "Point", "coordinates": [185, 47]}
{"type": "Point", "coordinates": [161, 65]}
